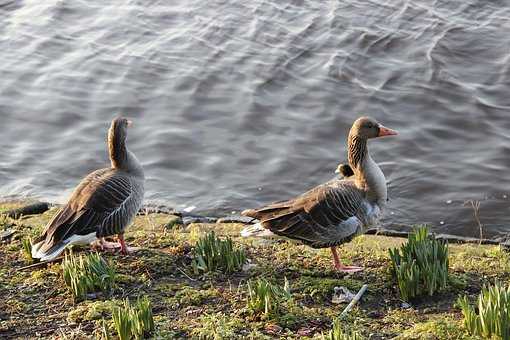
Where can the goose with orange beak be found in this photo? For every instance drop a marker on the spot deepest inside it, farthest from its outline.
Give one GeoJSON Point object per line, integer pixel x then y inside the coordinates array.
{"type": "Point", "coordinates": [335, 212]}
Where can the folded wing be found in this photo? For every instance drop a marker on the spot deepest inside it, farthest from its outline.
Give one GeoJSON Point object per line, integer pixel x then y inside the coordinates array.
{"type": "Point", "coordinates": [324, 216]}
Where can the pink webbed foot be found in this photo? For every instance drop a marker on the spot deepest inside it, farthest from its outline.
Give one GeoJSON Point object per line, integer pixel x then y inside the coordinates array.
{"type": "Point", "coordinates": [348, 269]}
{"type": "Point", "coordinates": [103, 245]}
{"type": "Point", "coordinates": [124, 249]}
{"type": "Point", "coordinates": [340, 266]}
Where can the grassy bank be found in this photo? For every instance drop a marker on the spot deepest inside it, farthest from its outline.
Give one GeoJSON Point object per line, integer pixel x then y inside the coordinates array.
{"type": "Point", "coordinates": [36, 303]}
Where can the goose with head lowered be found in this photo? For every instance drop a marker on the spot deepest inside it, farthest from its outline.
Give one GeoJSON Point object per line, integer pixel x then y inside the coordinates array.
{"type": "Point", "coordinates": [103, 204]}
{"type": "Point", "coordinates": [332, 213]}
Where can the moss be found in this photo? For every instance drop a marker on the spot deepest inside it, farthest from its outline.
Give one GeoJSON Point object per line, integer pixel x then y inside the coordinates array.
{"type": "Point", "coordinates": [218, 326]}
{"type": "Point", "coordinates": [87, 311]}
{"type": "Point", "coordinates": [190, 296]}
{"type": "Point", "coordinates": [437, 328]}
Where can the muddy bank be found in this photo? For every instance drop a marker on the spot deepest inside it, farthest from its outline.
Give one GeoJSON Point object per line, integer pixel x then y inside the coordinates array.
{"type": "Point", "coordinates": [36, 303]}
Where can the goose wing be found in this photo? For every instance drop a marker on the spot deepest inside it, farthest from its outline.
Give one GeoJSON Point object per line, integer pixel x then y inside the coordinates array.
{"type": "Point", "coordinates": [321, 217]}
{"type": "Point", "coordinates": [104, 203]}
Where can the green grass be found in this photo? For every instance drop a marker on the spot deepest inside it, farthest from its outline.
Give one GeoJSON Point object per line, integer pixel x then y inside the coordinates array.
{"type": "Point", "coordinates": [133, 321]}
{"type": "Point", "coordinates": [265, 297]}
{"type": "Point", "coordinates": [27, 249]}
{"type": "Point", "coordinates": [421, 265]}
{"type": "Point", "coordinates": [212, 254]}
{"type": "Point", "coordinates": [87, 274]}
{"type": "Point", "coordinates": [492, 315]}
{"type": "Point", "coordinates": [338, 333]}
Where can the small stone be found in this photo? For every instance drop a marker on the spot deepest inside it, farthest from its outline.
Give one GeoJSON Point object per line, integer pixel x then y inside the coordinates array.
{"type": "Point", "coordinates": [6, 234]}
{"type": "Point", "coordinates": [305, 331]}
{"type": "Point", "coordinates": [449, 202]}
{"type": "Point", "coordinates": [273, 329]}
{"type": "Point", "coordinates": [405, 305]}
{"type": "Point", "coordinates": [248, 266]}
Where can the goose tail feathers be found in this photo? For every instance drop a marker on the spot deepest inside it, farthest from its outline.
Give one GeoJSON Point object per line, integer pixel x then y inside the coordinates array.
{"type": "Point", "coordinates": [257, 230]}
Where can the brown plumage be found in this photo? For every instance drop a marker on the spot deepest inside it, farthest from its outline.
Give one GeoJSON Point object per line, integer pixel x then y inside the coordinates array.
{"type": "Point", "coordinates": [311, 217]}
{"type": "Point", "coordinates": [103, 204]}
{"type": "Point", "coordinates": [335, 212]}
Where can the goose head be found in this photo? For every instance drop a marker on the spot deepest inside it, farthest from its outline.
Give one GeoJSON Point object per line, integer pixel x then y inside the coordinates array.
{"type": "Point", "coordinates": [367, 128]}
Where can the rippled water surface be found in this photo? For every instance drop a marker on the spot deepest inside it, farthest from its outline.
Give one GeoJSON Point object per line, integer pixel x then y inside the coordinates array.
{"type": "Point", "coordinates": [238, 103]}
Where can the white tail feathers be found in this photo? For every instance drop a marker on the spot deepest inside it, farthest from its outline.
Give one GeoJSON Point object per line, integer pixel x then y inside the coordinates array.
{"type": "Point", "coordinates": [55, 251]}
{"type": "Point", "coordinates": [47, 256]}
{"type": "Point", "coordinates": [257, 230]}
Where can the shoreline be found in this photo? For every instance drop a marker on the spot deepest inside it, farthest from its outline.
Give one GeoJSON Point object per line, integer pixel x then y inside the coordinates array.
{"type": "Point", "coordinates": [189, 218]}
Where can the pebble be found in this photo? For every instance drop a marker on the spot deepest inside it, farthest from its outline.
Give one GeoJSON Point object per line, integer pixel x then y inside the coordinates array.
{"type": "Point", "coordinates": [6, 234]}
{"type": "Point", "coordinates": [405, 305]}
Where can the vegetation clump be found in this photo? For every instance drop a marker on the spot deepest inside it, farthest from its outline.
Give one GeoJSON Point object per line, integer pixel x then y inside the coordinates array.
{"type": "Point", "coordinates": [87, 274]}
{"type": "Point", "coordinates": [420, 265]}
{"type": "Point", "coordinates": [265, 297]}
{"type": "Point", "coordinates": [338, 333]}
{"type": "Point", "coordinates": [493, 316]}
{"type": "Point", "coordinates": [133, 321]}
{"type": "Point", "coordinates": [26, 244]}
{"type": "Point", "coordinates": [213, 254]}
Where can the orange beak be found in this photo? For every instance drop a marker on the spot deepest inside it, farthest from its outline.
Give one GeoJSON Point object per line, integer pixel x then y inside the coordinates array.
{"type": "Point", "coordinates": [384, 131]}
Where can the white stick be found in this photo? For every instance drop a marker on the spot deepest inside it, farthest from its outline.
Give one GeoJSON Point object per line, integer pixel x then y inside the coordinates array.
{"type": "Point", "coordinates": [355, 300]}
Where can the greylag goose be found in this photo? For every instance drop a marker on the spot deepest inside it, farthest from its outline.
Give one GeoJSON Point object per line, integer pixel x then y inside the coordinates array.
{"type": "Point", "coordinates": [103, 204]}
{"type": "Point", "coordinates": [335, 212]}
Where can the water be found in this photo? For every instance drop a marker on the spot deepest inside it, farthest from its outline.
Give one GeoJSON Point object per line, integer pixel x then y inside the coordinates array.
{"type": "Point", "coordinates": [239, 103]}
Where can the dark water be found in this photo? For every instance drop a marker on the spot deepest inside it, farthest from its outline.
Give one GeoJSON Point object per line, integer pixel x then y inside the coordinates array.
{"type": "Point", "coordinates": [238, 103]}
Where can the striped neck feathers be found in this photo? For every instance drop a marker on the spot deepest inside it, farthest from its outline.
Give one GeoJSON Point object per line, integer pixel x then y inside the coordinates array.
{"type": "Point", "coordinates": [117, 147]}
{"type": "Point", "coordinates": [357, 152]}
{"type": "Point", "coordinates": [121, 158]}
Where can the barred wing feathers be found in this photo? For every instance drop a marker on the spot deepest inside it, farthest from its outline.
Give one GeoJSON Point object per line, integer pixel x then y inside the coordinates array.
{"type": "Point", "coordinates": [324, 216]}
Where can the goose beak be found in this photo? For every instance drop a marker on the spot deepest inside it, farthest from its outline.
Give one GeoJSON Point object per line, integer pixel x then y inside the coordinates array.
{"type": "Point", "coordinates": [129, 123]}
{"type": "Point", "coordinates": [337, 171]}
{"type": "Point", "coordinates": [384, 131]}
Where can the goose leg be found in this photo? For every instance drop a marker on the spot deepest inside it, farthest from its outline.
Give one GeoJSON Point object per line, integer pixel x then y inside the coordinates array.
{"type": "Point", "coordinates": [124, 249]}
{"type": "Point", "coordinates": [340, 266]}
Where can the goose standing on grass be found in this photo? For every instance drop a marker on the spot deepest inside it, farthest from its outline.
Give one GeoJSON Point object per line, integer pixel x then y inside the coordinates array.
{"type": "Point", "coordinates": [332, 213]}
{"type": "Point", "coordinates": [103, 204]}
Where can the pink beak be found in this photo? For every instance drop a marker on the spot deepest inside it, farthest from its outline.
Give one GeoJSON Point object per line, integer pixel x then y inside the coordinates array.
{"type": "Point", "coordinates": [129, 123]}
{"type": "Point", "coordinates": [384, 131]}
